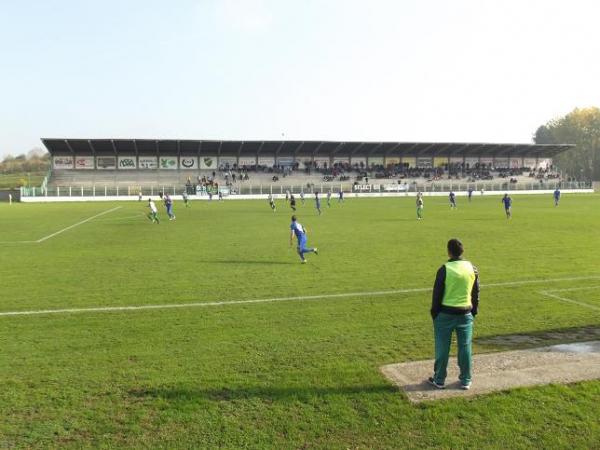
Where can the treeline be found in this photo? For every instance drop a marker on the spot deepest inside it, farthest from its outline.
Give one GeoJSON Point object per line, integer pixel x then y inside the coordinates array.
{"type": "Point", "coordinates": [582, 128]}
{"type": "Point", "coordinates": [34, 161]}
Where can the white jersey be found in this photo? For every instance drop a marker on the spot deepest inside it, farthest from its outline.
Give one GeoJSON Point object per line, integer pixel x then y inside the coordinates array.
{"type": "Point", "coordinates": [152, 207]}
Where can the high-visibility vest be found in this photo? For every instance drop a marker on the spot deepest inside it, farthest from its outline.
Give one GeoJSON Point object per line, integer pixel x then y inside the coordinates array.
{"type": "Point", "coordinates": [460, 277]}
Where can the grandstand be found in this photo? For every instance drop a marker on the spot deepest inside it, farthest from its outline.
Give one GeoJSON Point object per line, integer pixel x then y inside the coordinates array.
{"type": "Point", "coordinates": [258, 166]}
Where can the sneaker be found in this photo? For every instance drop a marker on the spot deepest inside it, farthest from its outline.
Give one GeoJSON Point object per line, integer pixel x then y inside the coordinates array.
{"type": "Point", "coordinates": [304, 261]}
{"type": "Point", "coordinates": [316, 251]}
{"type": "Point", "coordinates": [465, 387]}
{"type": "Point", "coordinates": [435, 384]}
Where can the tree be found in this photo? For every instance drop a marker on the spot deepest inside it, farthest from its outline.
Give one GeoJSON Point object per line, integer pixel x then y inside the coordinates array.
{"type": "Point", "coordinates": [582, 128]}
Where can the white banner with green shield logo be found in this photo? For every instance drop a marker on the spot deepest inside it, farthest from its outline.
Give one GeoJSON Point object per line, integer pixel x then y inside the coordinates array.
{"type": "Point", "coordinates": [208, 162]}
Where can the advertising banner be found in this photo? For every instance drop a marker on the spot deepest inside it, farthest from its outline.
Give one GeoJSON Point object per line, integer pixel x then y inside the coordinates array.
{"type": "Point", "coordinates": [227, 162]}
{"type": "Point", "coordinates": [341, 160]}
{"type": "Point", "coordinates": [529, 162]}
{"type": "Point", "coordinates": [471, 162]}
{"type": "Point", "coordinates": [321, 161]}
{"type": "Point", "coordinates": [501, 163]}
{"type": "Point", "coordinates": [424, 162]}
{"type": "Point", "coordinates": [285, 161]}
{"type": "Point", "coordinates": [127, 162]}
{"type": "Point", "coordinates": [456, 159]}
{"type": "Point", "coordinates": [440, 161]}
{"type": "Point", "coordinates": [167, 162]}
{"type": "Point", "coordinates": [188, 162]}
{"type": "Point", "coordinates": [84, 162]}
{"type": "Point", "coordinates": [63, 162]}
{"type": "Point", "coordinates": [148, 162]}
{"type": "Point", "coordinates": [375, 160]}
{"type": "Point", "coordinates": [516, 163]}
{"type": "Point", "coordinates": [410, 160]}
{"type": "Point", "coordinates": [208, 162]}
{"type": "Point", "coordinates": [247, 161]}
{"type": "Point", "coordinates": [266, 161]}
{"type": "Point", "coordinates": [106, 162]}
{"type": "Point", "coordinates": [486, 160]}
{"type": "Point", "coordinates": [391, 160]}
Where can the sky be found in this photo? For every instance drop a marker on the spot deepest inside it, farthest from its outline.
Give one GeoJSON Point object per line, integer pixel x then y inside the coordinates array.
{"type": "Point", "coordinates": [377, 70]}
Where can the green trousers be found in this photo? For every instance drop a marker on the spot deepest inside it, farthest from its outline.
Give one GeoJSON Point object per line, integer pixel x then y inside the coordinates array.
{"type": "Point", "coordinates": [443, 327]}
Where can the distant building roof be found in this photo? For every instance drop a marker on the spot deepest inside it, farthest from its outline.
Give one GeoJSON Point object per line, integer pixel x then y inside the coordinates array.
{"type": "Point", "coordinates": [177, 147]}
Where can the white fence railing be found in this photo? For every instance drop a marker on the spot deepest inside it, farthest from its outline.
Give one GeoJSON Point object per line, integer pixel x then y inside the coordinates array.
{"type": "Point", "coordinates": [276, 188]}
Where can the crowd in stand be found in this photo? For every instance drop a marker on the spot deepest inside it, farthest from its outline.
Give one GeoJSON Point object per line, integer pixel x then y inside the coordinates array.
{"type": "Point", "coordinates": [343, 171]}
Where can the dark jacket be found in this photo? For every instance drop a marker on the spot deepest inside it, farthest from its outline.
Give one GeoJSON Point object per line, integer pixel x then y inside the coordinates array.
{"type": "Point", "coordinates": [438, 295]}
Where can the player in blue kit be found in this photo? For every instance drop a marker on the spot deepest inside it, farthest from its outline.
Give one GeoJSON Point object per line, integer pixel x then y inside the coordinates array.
{"type": "Point", "coordinates": [318, 202]}
{"type": "Point", "coordinates": [452, 198]}
{"type": "Point", "coordinates": [507, 201]}
{"type": "Point", "coordinates": [169, 206]}
{"type": "Point", "coordinates": [300, 232]}
{"type": "Point", "coordinates": [470, 193]}
{"type": "Point", "coordinates": [556, 196]}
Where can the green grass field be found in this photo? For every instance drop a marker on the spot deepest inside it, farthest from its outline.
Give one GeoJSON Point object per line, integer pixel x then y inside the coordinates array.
{"type": "Point", "coordinates": [288, 373]}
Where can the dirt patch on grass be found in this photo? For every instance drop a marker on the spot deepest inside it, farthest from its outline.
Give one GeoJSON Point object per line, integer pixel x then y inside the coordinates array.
{"type": "Point", "coordinates": [565, 363]}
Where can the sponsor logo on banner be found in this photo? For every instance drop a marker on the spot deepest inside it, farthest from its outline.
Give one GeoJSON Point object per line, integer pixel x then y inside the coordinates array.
{"type": "Point", "coordinates": [188, 162]}
{"type": "Point", "coordinates": [515, 163]}
{"type": "Point", "coordinates": [147, 162]}
{"type": "Point", "coordinates": [248, 162]}
{"type": "Point", "coordinates": [208, 162]}
{"type": "Point", "coordinates": [424, 163]}
{"type": "Point", "coordinates": [106, 162]}
{"type": "Point", "coordinates": [501, 163]}
{"type": "Point", "coordinates": [266, 161]}
{"type": "Point", "coordinates": [168, 162]}
{"type": "Point", "coordinates": [127, 162]}
{"type": "Point", "coordinates": [63, 162]}
{"type": "Point", "coordinates": [84, 162]}
{"type": "Point", "coordinates": [227, 161]}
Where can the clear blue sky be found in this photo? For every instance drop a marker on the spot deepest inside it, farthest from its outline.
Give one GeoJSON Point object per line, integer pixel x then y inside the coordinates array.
{"type": "Point", "coordinates": [466, 70]}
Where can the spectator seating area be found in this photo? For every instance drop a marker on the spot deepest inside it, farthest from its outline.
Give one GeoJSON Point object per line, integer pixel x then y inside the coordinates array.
{"type": "Point", "coordinates": [288, 176]}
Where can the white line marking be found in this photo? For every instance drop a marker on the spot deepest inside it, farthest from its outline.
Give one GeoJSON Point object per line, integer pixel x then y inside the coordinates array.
{"type": "Point", "coordinates": [571, 289]}
{"type": "Point", "coordinates": [268, 300]}
{"type": "Point", "coordinates": [63, 230]}
{"type": "Point", "coordinates": [76, 224]}
{"type": "Point", "coordinates": [568, 300]}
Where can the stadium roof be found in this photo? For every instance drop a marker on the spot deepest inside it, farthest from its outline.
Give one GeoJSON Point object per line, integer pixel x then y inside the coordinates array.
{"type": "Point", "coordinates": [82, 147]}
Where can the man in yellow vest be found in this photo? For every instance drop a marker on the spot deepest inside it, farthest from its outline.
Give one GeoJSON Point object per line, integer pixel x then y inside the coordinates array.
{"type": "Point", "coordinates": [454, 304]}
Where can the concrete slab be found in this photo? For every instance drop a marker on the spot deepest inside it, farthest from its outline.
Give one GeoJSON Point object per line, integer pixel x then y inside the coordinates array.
{"type": "Point", "coordinates": [565, 363]}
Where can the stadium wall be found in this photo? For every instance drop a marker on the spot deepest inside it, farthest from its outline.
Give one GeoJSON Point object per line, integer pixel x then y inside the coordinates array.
{"type": "Point", "coordinates": [113, 198]}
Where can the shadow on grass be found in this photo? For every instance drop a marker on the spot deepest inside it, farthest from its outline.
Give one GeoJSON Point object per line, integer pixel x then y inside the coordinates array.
{"type": "Point", "coordinates": [185, 393]}
{"type": "Point", "coordinates": [541, 338]}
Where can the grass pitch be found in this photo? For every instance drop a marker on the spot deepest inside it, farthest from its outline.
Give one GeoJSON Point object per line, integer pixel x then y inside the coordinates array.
{"type": "Point", "coordinates": [289, 373]}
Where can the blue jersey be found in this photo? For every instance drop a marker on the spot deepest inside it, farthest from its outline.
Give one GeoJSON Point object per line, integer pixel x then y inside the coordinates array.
{"type": "Point", "coordinates": [507, 202]}
{"type": "Point", "coordinates": [298, 230]}
{"type": "Point", "coordinates": [452, 197]}
{"type": "Point", "coordinates": [557, 194]}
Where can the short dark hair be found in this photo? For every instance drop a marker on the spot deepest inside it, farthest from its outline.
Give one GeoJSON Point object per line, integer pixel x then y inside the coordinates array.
{"type": "Point", "coordinates": [293, 218]}
{"type": "Point", "coordinates": [455, 248]}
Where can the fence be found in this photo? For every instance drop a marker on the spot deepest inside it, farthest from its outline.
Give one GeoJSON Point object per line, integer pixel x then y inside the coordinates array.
{"type": "Point", "coordinates": [248, 189]}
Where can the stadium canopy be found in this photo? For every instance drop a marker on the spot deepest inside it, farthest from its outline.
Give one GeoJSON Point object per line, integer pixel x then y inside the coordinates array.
{"type": "Point", "coordinates": [148, 147]}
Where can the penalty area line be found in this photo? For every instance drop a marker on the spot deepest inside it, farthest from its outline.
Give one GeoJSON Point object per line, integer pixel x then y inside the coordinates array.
{"type": "Point", "coordinates": [271, 300]}
{"type": "Point", "coordinates": [569, 300]}
{"type": "Point", "coordinates": [76, 224]}
{"type": "Point", "coordinates": [45, 238]}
